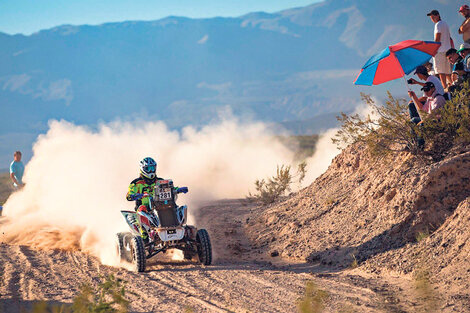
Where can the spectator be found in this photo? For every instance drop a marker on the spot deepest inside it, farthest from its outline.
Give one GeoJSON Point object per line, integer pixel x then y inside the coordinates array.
{"type": "Point", "coordinates": [17, 170]}
{"type": "Point", "coordinates": [430, 69]}
{"type": "Point", "coordinates": [464, 51]}
{"type": "Point", "coordinates": [442, 35]}
{"type": "Point", "coordinates": [422, 73]}
{"type": "Point", "coordinates": [464, 29]}
{"type": "Point", "coordinates": [433, 102]}
{"type": "Point", "coordinates": [459, 70]}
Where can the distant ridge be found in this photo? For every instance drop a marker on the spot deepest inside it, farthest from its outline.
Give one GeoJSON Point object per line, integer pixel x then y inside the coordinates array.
{"type": "Point", "coordinates": [275, 67]}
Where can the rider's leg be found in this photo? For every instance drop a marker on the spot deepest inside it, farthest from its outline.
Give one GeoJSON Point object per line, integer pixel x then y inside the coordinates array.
{"type": "Point", "coordinates": [143, 233]}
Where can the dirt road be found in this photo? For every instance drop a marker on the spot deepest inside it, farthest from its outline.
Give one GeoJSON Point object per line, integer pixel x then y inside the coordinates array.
{"type": "Point", "coordinates": [242, 279]}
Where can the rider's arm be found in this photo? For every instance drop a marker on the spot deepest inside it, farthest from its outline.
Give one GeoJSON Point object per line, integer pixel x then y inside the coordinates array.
{"type": "Point", "coordinates": [133, 192]}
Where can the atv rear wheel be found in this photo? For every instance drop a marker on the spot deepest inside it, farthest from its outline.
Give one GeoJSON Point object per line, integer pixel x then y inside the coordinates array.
{"type": "Point", "coordinates": [204, 248]}
{"type": "Point", "coordinates": [122, 252]}
{"type": "Point", "coordinates": [137, 252]}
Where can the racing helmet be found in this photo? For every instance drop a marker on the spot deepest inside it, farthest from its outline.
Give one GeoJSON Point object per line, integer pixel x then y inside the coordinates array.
{"type": "Point", "coordinates": [148, 168]}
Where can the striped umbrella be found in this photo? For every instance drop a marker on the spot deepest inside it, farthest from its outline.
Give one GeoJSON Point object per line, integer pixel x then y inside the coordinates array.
{"type": "Point", "coordinates": [395, 61]}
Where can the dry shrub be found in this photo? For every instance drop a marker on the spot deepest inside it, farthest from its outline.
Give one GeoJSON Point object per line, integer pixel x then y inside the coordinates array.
{"type": "Point", "coordinates": [386, 129]}
{"type": "Point", "coordinates": [268, 191]}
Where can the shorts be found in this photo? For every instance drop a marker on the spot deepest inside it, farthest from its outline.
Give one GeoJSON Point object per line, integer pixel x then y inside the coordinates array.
{"type": "Point", "coordinates": [441, 64]}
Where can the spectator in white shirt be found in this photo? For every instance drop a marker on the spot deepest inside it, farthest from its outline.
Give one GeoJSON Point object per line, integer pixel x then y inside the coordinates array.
{"type": "Point", "coordinates": [442, 35]}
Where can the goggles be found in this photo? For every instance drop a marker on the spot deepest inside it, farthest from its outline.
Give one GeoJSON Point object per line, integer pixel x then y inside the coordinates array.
{"type": "Point", "coordinates": [150, 168]}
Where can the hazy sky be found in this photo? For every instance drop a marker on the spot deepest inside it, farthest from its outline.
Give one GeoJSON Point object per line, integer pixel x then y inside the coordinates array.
{"type": "Point", "coordinates": [29, 16]}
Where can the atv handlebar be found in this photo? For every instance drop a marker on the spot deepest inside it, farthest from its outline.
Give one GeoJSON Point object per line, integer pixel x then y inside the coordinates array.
{"type": "Point", "coordinates": [182, 190]}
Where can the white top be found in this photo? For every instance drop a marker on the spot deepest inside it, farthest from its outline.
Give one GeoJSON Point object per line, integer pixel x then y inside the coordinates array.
{"type": "Point", "coordinates": [434, 102]}
{"type": "Point", "coordinates": [437, 83]}
{"type": "Point", "coordinates": [442, 28]}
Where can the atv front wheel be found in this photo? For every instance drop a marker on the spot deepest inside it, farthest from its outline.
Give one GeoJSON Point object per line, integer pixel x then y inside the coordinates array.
{"type": "Point", "coordinates": [137, 252]}
{"type": "Point", "coordinates": [204, 248]}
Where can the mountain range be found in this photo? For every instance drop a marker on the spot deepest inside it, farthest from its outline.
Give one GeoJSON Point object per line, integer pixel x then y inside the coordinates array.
{"type": "Point", "coordinates": [277, 67]}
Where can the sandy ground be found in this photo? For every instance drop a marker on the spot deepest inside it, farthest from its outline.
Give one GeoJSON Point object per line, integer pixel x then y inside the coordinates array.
{"type": "Point", "coordinates": [242, 279]}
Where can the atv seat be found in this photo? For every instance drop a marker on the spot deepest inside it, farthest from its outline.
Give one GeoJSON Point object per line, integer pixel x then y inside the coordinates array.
{"type": "Point", "coordinates": [167, 217]}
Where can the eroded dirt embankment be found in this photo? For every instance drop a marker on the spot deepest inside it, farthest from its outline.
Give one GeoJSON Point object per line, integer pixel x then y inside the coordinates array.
{"type": "Point", "coordinates": [379, 214]}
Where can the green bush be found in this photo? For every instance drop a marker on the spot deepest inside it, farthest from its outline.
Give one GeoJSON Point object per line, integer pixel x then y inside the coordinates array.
{"type": "Point", "coordinates": [388, 128]}
{"type": "Point", "coordinates": [454, 120]}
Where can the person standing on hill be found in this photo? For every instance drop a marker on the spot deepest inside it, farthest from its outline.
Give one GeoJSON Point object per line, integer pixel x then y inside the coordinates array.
{"type": "Point", "coordinates": [442, 35]}
{"type": "Point", "coordinates": [464, 29]}
{"type": "Point", "coordinates": [17, 170]}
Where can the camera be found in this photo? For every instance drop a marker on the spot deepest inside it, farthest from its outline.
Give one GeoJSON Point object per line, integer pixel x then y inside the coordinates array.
{"type": "Point", "coordinates": [410, 81]}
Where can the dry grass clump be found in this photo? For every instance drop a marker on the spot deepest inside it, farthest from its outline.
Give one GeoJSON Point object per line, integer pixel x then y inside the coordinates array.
{"type": "Point", "coordinates": [313, 300]}
{"type": "Point", "coordinates": [108, 297]}
{"type": "Point", "coordinates": [426, 296]}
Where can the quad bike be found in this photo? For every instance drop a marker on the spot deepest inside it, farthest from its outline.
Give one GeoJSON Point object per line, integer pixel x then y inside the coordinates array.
{"type": "Point", "coordinates": [165, 224]}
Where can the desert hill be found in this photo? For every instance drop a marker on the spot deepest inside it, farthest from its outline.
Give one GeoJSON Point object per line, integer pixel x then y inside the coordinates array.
{"type": "Point", "coordinates": [400, 214]}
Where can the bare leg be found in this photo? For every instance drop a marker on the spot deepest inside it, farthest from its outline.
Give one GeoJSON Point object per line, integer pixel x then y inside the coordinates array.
{"type": "Point", "coordinates": [443, 79]}
{"type": "Point", "coordinates": [449, 79]}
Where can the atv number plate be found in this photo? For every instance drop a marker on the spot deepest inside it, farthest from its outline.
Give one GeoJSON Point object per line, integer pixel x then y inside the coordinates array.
{"type": "Point", "coordinates": [164, 194]}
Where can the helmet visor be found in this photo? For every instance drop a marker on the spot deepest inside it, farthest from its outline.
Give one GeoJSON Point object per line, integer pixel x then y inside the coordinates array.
{"type": "Point", "coordinates": [150, 168]}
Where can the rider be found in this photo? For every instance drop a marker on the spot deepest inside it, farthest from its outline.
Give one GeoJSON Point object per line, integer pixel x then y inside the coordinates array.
{"type": "Point", "coordinates": [143, 187]}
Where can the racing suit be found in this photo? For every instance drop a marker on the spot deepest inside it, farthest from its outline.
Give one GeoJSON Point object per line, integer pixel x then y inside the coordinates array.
{"type": "Point", "coordinates": [136, 188]}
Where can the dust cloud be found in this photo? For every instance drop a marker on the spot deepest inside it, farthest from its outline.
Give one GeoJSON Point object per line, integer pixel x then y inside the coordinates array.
{"type": "Point", "coordinates": [77, 179]}
{"type": "Point", "coordinates": [326, 150]}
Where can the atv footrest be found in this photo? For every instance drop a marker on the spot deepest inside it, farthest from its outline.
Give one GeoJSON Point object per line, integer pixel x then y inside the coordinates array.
{"type": "Point", "coordinates": [155, 252]}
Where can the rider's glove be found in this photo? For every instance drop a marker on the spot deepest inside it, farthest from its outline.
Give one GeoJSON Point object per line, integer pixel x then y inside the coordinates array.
{"type": "Point", "coordinates": [182, 190]}
{"type": "Point", "coordinates": [137, 196]}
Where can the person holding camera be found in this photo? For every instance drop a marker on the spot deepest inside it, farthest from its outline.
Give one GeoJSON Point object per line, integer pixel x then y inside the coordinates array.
{"type": "Point", "coordinates": [434, 101]}
{"type": "Point", "coordinates": [422, 73]}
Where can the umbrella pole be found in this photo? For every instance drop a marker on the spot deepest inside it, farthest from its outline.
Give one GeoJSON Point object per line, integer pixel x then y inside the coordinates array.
{"type": "Point", "coordinates": [409, 89]}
